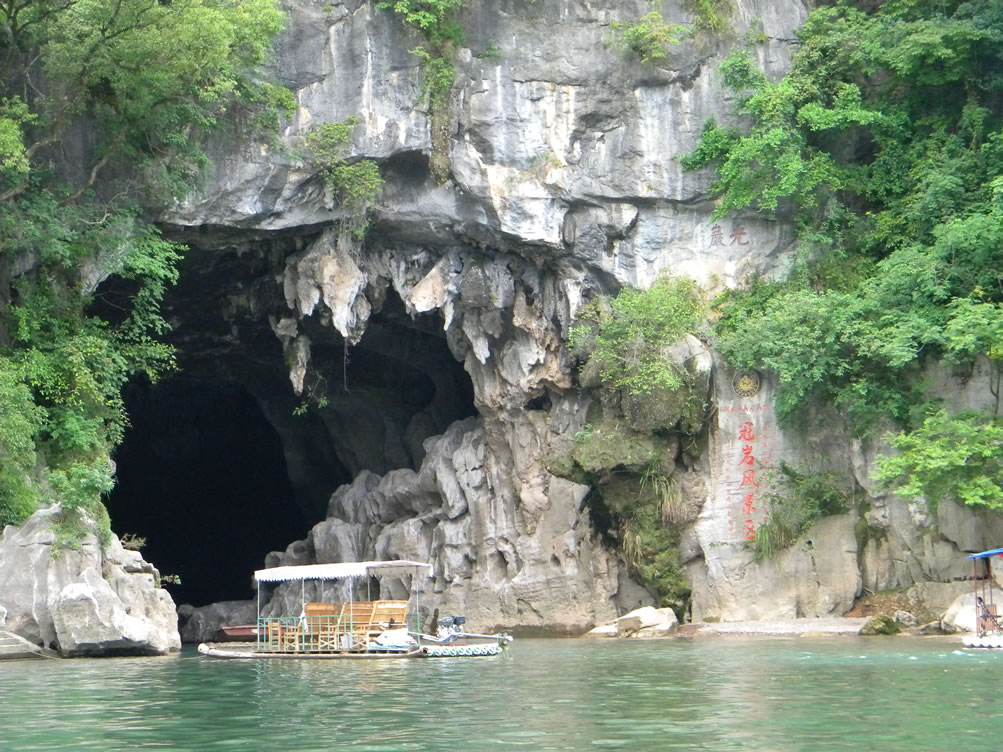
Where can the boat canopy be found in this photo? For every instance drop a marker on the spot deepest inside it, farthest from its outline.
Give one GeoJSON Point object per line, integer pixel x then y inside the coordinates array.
{"type": "Point", "coordinates": [342, 571]}
{"type": "Point", "coordinates": [987, 554]}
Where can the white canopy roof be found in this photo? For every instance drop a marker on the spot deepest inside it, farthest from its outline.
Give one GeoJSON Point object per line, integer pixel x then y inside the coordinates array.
{"type": "Point", "coordinates": [342, 571]}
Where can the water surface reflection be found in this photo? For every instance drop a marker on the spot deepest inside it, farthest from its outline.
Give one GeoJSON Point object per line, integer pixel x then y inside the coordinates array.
{"type": "Point", "coordinates": [544, 694]}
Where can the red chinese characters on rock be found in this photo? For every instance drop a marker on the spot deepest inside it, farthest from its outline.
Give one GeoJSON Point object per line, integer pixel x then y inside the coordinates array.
{"type": "Point", "coordinates": [748, 484]}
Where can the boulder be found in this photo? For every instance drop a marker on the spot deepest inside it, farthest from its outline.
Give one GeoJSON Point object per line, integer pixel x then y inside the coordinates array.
{"type": "Point", "coordinates": [882, 624]}
{"type": "Point", "coordinates": [929, 600]}
{"type": "Point", "coordinates": [664, 629]}
{"type": "Point", "coordinates": [905, 618]}
{"type": "Point", "coordinates": [604, 630]}
{"type": "Point", "coordinates": [960, 616]}
{"type": "Point", "coordinates": [641, 623]}
{"type": "Point", "coordinates": [652, 621]}
{"type": "Point", "coordinates": [95, 600]}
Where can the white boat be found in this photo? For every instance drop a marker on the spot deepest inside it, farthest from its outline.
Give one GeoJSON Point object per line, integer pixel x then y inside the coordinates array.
{"type": "Point", "coordinates": [347, 628]}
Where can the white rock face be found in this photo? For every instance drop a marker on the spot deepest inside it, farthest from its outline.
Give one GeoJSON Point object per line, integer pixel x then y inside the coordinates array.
{"type": "Point", "coordinates": [85, 602]}
{"type": "Point", "coordinates": [565, 183]}
{"type": "Point", "coordinates": [499, 562]}
{"type": "Point", "coordinates": [818, 576]}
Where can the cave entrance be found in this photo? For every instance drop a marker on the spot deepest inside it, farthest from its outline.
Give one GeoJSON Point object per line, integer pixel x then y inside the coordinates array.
{"type": "Point", "coordinates": [224, 463]}
{"type": "Point", "coordinates": [202, 477]}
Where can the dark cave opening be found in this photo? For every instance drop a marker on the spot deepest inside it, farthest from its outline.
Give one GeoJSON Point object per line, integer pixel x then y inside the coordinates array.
{"type": "Point", "coordinates": [202, 477]}
{"type": "Point", "coordinates": [222, 463]}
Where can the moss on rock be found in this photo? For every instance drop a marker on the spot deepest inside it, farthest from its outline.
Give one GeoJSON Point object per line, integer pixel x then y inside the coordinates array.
{"type": "Point", "coordinates": [882, 624]}
{"type": "Point", "coordinates": [610, 444]}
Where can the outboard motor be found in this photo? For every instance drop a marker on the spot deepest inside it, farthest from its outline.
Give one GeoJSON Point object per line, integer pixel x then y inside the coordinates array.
{"type": "Point", "coordinates": [451, 627]}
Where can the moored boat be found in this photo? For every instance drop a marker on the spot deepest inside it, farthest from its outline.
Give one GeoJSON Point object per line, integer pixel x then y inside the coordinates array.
{"type": "Point", "coordinates": [988, 628]}
{"type": "Point", "coordinates": [349, 628]}
{"type": "Point", "coordinates": [238, 632]}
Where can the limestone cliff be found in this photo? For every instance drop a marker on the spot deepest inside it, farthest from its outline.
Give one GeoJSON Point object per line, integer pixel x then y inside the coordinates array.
{"type": "Point", "coordinates": [96, 599]}
{"type": "Point", "coordinates": [564, 183]}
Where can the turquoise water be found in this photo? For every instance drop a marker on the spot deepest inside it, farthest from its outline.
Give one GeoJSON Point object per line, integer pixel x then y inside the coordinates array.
{"type": "Point", "coordinates": [713, 694]}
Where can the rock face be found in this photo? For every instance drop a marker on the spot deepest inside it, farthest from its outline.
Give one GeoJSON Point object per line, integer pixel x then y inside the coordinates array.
{"type": "Point", "coordinates": [564, 183]}
{"type": "Point", "coordinates": [84, 602]}
{"type": "Point", "coordinates": [499, 562]}
{"type": "Point", "coordinates": [962, 616]}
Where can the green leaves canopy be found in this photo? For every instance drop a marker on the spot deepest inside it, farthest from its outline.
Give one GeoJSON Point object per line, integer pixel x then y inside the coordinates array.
{"type": "Point", "coordinates": [884, 144]}
{"type": "Point", "coordinates": [126, 88]}
{"type": "Point", "coordinates": [626, 336]}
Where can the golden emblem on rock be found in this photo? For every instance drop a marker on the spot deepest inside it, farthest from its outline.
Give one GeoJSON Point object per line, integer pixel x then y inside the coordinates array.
{"type": "Point", "coordinates": [746, 383]}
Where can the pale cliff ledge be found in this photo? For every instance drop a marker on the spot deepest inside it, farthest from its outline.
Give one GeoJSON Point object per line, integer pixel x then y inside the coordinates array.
{"type": "Point", "coordinates": [86, 601]}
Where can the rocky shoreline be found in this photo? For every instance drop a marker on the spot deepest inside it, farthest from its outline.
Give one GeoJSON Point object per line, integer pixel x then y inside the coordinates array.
{"type": "Point", "coordinates": [95, 599]}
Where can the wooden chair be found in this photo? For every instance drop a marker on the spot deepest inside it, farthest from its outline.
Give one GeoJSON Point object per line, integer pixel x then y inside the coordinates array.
{"type": "Point", "coordinates": [356, 619]}
{"type": "Point", "coordinates": [363, 620]}
{"type": "Point", "coordinates": [273, 636]}
{"type": "Point", "coordinates": [387, 614]}
{"type": "Point", "coordinates": [324, 626]}
{"type": "Point", "coordinates": [290, 638]}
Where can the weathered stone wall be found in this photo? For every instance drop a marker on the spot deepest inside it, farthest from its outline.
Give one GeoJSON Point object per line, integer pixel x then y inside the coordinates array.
{"type": "Point", "coordinates": [565, 182]}
{"type": "Point", "coordinates": [91, 601]}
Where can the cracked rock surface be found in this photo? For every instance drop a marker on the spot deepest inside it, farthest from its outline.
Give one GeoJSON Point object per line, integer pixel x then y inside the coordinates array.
{"type": "Point", "coordinates": [90, 601]}
{"type": "Point", "coordinates": [564, 182]}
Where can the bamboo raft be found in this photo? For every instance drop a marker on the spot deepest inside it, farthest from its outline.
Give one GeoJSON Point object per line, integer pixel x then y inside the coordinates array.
{"type": "Point", "coordinates": [351, 629]}
{"type": "Point", "coordinates": [213, 650]}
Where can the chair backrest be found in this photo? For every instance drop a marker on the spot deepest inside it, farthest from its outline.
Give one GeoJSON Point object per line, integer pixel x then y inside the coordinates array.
{"type": "Point", "coordinates": [387, 612]}
{"type": "Point", "coordinates": [273, 633]}
{"type": "Point", "coordinates": [362, 618]}
{"type": "Point", "coordinates": [358, 616]}
{"type": "Point", "coordinates": [323, 609]}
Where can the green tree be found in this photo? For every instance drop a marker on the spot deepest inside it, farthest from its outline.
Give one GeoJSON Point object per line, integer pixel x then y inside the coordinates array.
{"type": "Point", "coordinates": [649, 38]}
{"type": "Point", "coordinates": [144, 81]}
{"type": "Point", "coordinates": [883, 144]}
{"type": "Point", "coordinates": [625, 337]}
{"type": "Point", "coordinates": [949, 457]}
{"type": "Point", "coordinates": [355, 185]}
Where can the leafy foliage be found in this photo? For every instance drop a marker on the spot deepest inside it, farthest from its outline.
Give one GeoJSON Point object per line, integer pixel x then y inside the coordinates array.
{"type": "Point", "coordinates": [147, 80]}
{"type": "Point", "coordinates": [433, 18]}
{"type": "Point", "coordinates": [796, 500]}
{"type": "Point", "coordinates": [626, 336]}
{"type": "Point", "coordinates": [884, 143]}
{"type": "Point", "coordinates": [649, 38]}
{"type": "Point", "coordinates": [356, 185]}
{"type": "Point", "coordinates": [949, 457]}
{"type": "Point", "coordinates": [436, 20]}
{"type": "Point", "coordinates": [651, 549]}
{"type": "Point", "coordinates": [710, 15]}
{"type": "Point", "coordinates": [440, 74]}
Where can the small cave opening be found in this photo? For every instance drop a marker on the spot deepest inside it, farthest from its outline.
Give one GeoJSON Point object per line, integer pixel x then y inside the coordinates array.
{"type": "Point", "coordinates": [202, 477]}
